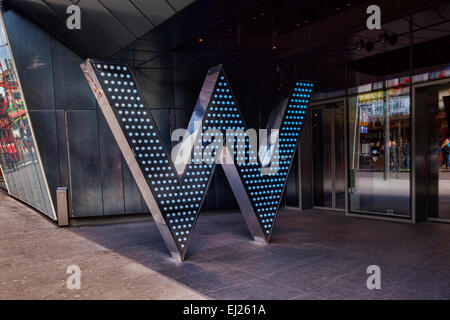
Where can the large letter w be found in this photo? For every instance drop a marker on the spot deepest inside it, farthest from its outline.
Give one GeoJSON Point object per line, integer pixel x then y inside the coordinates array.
{"type": "Point", "coordinates": [175, 195]}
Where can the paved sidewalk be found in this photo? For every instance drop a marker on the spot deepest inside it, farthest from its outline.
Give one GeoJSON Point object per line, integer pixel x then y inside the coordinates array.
{"type": "Point", "coordinates": [34, 255]}
{"type": "Point", "coordinates": [314, 254]}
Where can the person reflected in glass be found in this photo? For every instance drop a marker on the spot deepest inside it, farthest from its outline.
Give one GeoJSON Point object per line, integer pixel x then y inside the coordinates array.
{"type": "Point", "coordinates": [393, 156]}
{"type": "Point", "coordinates": [13, 156]}
{"type": "Point", "coordinates": [406, 154]}
{"type": "Point", "coordinates": [445, 149]}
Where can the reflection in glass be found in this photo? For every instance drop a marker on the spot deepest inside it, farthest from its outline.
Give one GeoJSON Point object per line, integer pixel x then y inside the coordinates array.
{"type": "Point", "coordinates": [322, 158]}
{"type": "Point", "coordinates": [339, 150]}
{"type": "Point", "coordinates": [328, 156]}
{"type": "Point", "coordinates": [380, 154]}
{"type": "Point", "coordinates": [18, 154]}
{"type": "Point", "coordinates": [438, 107]}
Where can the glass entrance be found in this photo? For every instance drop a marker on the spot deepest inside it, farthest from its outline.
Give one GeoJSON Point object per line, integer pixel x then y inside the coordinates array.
{"type": "Point", "coordinates": [434, 101]}
{"type": "Point", "coordinates": [328, 155]}
{"type": "Point", "coordinates": [380, 148]}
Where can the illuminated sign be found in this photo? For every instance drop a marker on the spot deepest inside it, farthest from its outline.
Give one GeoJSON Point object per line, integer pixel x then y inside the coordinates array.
{"type": "Point", "coordinates": [174, 192]}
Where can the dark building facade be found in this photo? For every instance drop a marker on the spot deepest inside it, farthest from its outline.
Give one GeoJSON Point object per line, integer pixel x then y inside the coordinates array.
{"type": "Point", "coordinates": [373, 145]}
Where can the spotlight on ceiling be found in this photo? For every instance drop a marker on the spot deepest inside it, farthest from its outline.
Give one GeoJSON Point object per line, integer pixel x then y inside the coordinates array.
{"type": "Point", "coordinates": [359, 45]}
{"type": "Point", "coordinates": [369, 46]}
{"type": "Point", "coordinates": [384, 37]}
{"type": "Point", "coordinates": [393, 39]}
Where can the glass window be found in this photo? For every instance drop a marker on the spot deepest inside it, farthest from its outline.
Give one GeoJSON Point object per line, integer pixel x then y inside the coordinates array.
{"type": "Point", "coordinates": [18, 152]}
{"type": "Point", "coordinates": [380, 152]}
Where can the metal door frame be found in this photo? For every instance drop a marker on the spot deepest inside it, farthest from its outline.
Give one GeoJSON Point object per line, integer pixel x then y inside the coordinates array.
{"type": "Point", "coordinates": [413, 160]}
{"type": "Point", "coordinates": [317, 105]}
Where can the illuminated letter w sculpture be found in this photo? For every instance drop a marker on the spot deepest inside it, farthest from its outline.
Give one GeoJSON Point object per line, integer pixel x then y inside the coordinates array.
{"type": "Point", "coordinates": [175, 195]}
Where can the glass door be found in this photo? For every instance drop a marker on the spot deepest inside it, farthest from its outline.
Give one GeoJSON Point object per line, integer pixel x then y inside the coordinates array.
{"type": "Point", "coordinates": [434, 102]}
{"type": "Point", "coordinates": [379, 154]}
{"type": "Point", "coordinates": [328, 156]}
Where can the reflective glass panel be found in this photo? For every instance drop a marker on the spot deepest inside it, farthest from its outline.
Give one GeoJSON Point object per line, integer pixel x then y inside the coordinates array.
{"type": "Point", "coordinates": [18, 152]}
{"type": "Point", "coordinates": [436, 101]}
{"type": "Point", "coordinates": [380, 152]}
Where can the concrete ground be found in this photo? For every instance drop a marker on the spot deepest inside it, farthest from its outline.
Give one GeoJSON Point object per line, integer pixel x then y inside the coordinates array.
{"type": "Point", "coordinates": [35, 254]}
{"type": "Point", "coordinates": [313, 255]}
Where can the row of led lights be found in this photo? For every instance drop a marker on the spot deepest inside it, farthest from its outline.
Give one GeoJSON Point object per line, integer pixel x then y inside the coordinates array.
{"type": "Point", "coordinates": [264, 220]}
{"type": "Point", "coordinates": [170, 208]}
{"type": "Point", "coordinates": [267, 226]}
{"type": "Point", "coordinates": [162, 168]}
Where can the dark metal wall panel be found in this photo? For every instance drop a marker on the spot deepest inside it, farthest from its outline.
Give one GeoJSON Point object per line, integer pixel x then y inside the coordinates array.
{"type": "Point", "coordinates": [111, 170]}
{"type": "Point", "coordinates": [145, 208]}
{"type": "Point", "coordinates": [44, 124]}
{"type": "Point", "coordinates": [78, 43]}
{"type": "Point", "coordinates": [163, 61]}
{"type": "Point", "coordinates": [159, 39]}
{"type": "Point", "coordinates": [292, 191]}
{"type": "Point", "coordinates": [157, 87]}
{"type": "Point", "coordinates": [210, 200]}
{"type": "Point", "coordinates": [85, 162]}
{"type": "Point", "coordinates": [31, 49]}
{"type": "Point", "coordinates": [58, 6]}
{"type": "Point", "coordinates": [40, 9]}
{"type": "Point", "coordinates": [187, 85]}
{"type": "Point", "coordinates": [182, 117]}
{"type": "Point", "coordinates": [71, 88]}
{"type": "Point", "coordinates": [91, 29]}
{"type": "Point", "coordinates": [224, 195]}
{"type": "Point", "coordinates": [156, 11]}
{"type": "Point", "coordinates": [179, 4]}
{"type": "Point", "coordinates": [132, 196]}
{"type": "Point", "coordinates": [129, 15]}
{"type": "Point", "coordinates": [161, 118]}
{"type": "Point", "coordinates": [305, 146]}
{"type": "Point", "coordinates": [62, 148]}
{"type": "Point", "coordinates": [97, 12]}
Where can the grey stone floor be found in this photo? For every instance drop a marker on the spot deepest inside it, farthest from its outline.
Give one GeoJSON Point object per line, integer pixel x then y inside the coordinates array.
{"type": "Point", "coordinates": [313, 255]}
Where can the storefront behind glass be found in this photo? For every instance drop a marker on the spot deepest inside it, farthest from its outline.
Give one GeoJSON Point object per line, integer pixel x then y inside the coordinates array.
{"type": "Point", "coordinates": [395, 166]}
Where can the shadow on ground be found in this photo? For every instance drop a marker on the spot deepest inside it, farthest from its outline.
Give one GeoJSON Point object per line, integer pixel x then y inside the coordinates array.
{"type": "Point", "coordinates": [313, 255]}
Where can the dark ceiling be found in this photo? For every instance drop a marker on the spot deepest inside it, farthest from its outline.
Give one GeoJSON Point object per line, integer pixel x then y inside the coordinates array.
{"type": "Point", "coordinates": [269, 17]}
{"type": "Point", "coordinates": [311, 37]}
{"type": "Point", "coordinates": [107, 26]}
